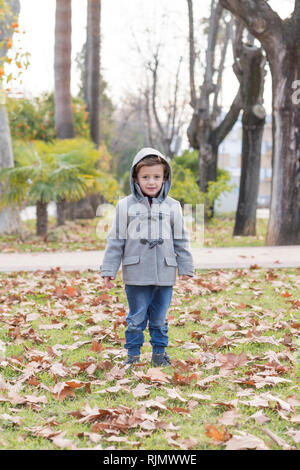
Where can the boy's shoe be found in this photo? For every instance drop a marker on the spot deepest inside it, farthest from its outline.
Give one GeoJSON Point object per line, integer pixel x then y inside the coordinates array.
{"type": "Point", "coordinates": [132, 359]}
{"type": "Point", "coordinates": [160, 360]}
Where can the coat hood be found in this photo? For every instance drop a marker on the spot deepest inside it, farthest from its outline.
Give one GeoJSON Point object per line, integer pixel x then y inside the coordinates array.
{"type": "Point", "coordinates": [135, 188]}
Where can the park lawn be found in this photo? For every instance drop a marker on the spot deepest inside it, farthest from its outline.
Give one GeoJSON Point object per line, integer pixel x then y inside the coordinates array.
{"type": "Point", "coordinates": [82, 235]}
{"type": "Point", "coordinates": [73, 236]}
{"type": "Point", "coordinates": [234, 342]}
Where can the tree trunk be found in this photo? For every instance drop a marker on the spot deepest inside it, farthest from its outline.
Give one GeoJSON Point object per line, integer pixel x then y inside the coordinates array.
{"type": "Point", "coordinates": [93, 68]}
{"type": "Point", "coordinates": [10, 221]}
{"type": "Point", "coordinates": [252, 64]}
{"type": "Point", "coordinates": [284, 221]}
{"type": "Point", "coordinates": [70, 210]}
{"type": "Point", "coordinates": [61, 208]}
{"type": "Point", "coordinates": [62, 68]}
{"type": "Point", "coordinates": [203, 134]}
{"type": "Point", "coordinates": [281, 41]}
{"type": "Point", "coordinates": [83, 209]}
{"type": "Point", "coordinates": [41, 219]}
{"type": "Point", "coordinates": [9, 217]}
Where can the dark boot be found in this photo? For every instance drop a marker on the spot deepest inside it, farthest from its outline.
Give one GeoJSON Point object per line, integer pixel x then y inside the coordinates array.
{"type": "Point", "coordinates": [132, 359]}
{"type": "Point", "coordinates": [160, 360]}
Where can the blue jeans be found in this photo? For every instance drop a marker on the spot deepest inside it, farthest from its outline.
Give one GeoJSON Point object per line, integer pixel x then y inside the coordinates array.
{"type": "Point", "coordinates": [147, 303]}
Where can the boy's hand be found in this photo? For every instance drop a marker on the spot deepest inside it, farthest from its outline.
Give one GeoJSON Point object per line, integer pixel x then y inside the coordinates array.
{"type": "Point", "coordinates": [107, 283]}
{"type": "Point", "coordinates": [184, 277]}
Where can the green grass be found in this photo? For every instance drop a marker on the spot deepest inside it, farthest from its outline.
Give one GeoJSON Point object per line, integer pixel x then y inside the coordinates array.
{"type": "Point", "coordinates": [218, 232]}
{"type": "Point", "coordinates": [81, 234]}
{"type": "Point", "coordinates": [259, 302]}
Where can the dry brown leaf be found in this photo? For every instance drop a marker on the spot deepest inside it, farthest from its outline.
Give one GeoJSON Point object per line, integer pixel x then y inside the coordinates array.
{"type": "Point", "coordinates": [174, 395]}
{"type": "Point", "coordinates": [141, 390]}
{"type": "Point", "coordinates": [220, 435]}
{"type": "Point", "coordinates": [245, 442]}
{"type": "Point", "coordinates": [295, 435]}
{"type": "Point", "coordinates": [229, 418]}
{"type": "Point", "coordinates": [179, 410]}
{"type": "Point", "coordinates": [97, 347]}
{"type": "Point", "coordinates": [43, 431]}
{"type": "Point", "coordinates": [260, 417]}
{"type": "Point", "coordinates": [59, 369]}
{"type": "Point", "coordinates": [156, 375]}
{"type": "Point", "coordinates": [12, 419]}
{"type": "Point", "coordinates": [157, 403]}
{"type": "Point", "coordinates": [63, 443]}
{"type": "Point", "coordinates": [179, 379]}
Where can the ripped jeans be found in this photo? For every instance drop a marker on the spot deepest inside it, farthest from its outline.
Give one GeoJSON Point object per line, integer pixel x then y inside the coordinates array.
{"type": "Point", "coordinates": [147, 303]}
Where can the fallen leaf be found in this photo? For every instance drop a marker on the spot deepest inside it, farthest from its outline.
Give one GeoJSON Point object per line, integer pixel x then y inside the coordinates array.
{"type": "Point", "coordinates": [229, 418]}
{"type": "Point", "coordinates": [63, 443]}
{"type": "Point", "coordinates": [220, 435]}
{"type": "Point", "coordinates": [245, 442]}
{"type": "Point", "coordinates": [295, 435]}
{"type": "Point", "coordinates": [141, 390]}
{"type": "Point", "coordinates": [155, 374]}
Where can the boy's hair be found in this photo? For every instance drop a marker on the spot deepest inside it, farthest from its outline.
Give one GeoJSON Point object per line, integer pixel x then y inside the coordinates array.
{"type": "Point", "coordinates": [151, 160]}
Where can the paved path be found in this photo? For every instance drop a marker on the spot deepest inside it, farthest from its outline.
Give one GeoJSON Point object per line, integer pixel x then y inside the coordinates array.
{"type": "Point", "coordinates": [204, 258]}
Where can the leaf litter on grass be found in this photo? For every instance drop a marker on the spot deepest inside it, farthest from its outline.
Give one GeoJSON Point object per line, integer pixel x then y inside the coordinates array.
{"type": "Point", "coordinates": [232, 383]}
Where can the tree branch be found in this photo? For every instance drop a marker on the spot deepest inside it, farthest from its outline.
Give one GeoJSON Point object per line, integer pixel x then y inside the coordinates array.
{"type": "Point", "coordinates": [215, 110]}
{"type": "Point", "coordinates": [214, 22]}
{"type": "Point", "coordinates": [221, 131]}
{"type": "Point", "coordinates": [174, 113]}
{"type": "Point", "coordinates": [263, 22]}
{"type": "Point", "coordinates": [192, 54]}
{"type": "Point", "coordinates": [154, 93]}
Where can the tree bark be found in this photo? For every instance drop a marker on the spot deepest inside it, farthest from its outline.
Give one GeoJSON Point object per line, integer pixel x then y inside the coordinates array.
{"type": "Point", "coordinates": [93, 68]}
{"type": "Point", "coordinates": [62, 70]}
{"type": "Point", "coordinates": [83, 209]}
{"type": "Point", "coordinates": [203, 133]}
{"type": "Point", "coordinates": [252, 64]}
{"type": "Point", "coordinates": [10, 221]}
{"type": "Point", "coordinates": [41, 219]}
{"type": "Point", "coordinates": [281, 41]}
{"type": "Point", "coordinates": [61, 208]}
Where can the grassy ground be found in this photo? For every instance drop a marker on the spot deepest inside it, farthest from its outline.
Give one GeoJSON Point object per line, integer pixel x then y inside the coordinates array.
{"type": "Point", "coordinates": [82, 235]}
{"type": "Point", "coordinates": [234, 342]}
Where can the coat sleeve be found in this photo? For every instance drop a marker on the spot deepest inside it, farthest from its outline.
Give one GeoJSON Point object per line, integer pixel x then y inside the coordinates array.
{"type": "Point", "coordinates": [115, 243]}
{"type": "Point", "coordinates": [181, 242]}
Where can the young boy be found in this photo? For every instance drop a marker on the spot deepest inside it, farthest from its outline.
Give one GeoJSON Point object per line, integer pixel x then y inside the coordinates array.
{"type": "Point", "coordinates": [148, 235]}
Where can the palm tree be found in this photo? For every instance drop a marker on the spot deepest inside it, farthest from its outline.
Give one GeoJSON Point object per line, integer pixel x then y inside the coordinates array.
{"type": "Point", "coordinates": [41, 176]}
{"type": "Point", "coordinates": [92, 68]}
{"type": "Point", "coordinates": [29, 181]}
{"type": "Point", "coordinates": [62, 70]}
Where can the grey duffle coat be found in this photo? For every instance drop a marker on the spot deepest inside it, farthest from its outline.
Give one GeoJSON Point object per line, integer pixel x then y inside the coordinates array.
{"type": "Point", "coordinates": [150, 241]}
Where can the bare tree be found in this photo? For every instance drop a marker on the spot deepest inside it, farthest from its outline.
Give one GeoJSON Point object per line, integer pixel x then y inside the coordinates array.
{"type": "Point", "coordinates": [281, 41]}
{"type": "Point", "coordinates": [203, 132]}
{"type": "Point", "coordinates": [249, 68]}
{"type": "Point", "coordinates": [9, 217]}
{"type": "Point", "coordinates": [164, 106]}
{"type": "Point", "coordinates": [168, 129]}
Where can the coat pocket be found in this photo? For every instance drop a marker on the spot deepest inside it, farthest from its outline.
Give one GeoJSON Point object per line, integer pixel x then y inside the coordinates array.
{"type": "Point", "coordinates": [128, 260]}
{"type": "Point", "coordinates": [170, 261]}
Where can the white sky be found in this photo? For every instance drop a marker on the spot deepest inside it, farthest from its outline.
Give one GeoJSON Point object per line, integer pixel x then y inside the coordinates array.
{"type": "Point", "coordinates": [120, 64]}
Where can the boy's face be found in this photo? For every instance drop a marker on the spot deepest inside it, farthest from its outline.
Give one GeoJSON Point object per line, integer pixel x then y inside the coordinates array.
{"type": "Point", "coordinates": [150, 179]}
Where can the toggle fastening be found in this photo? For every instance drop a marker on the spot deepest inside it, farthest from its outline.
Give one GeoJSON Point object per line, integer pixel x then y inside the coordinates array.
{"type": "Point", "coordinates": [152, 243]}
